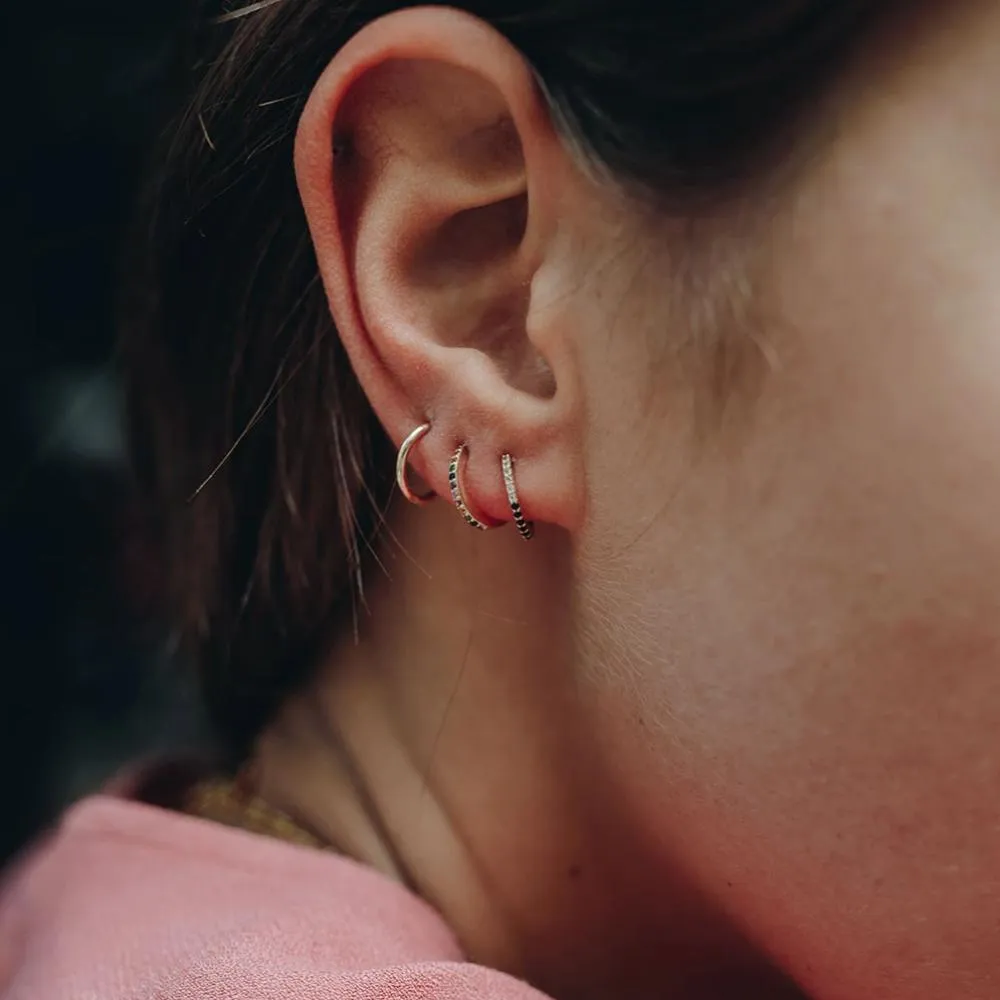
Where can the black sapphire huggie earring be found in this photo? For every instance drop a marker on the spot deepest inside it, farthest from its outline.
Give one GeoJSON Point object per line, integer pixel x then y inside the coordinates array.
{"type": "Point", "coordinates": [526, 528]}
{"type": "Point", "coordinates": [458, 494]}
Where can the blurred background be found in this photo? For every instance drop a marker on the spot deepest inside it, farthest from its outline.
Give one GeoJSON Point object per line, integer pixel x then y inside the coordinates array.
{"type": "Point", "coordinates": [89, 680]}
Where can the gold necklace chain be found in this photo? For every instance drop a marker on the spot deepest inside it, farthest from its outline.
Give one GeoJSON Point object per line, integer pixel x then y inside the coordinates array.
{"type": "Point", "coordinates": [232, 803]}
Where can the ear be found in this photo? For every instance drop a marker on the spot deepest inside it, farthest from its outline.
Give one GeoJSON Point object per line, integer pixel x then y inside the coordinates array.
{"type": "Point", "coordinates": [430, 172]}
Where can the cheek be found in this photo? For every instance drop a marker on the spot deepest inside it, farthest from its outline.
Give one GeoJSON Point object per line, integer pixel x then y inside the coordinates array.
{"type": "Point", "coordinates": [795, 636]}
{"type": "Point", "coordinates": [794, 629]}
{"type": "Point", "coordinates": [796, 672]}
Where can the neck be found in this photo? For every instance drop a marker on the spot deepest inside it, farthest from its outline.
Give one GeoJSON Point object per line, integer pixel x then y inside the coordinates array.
{"type": "Point", "coordinates": [450, 752]}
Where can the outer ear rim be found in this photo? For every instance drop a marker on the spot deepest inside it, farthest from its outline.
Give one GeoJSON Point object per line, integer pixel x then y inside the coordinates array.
{"type": "Point", "coordinates": [416, 35]}
{"type": "Point", "coordinates": [314, 146]}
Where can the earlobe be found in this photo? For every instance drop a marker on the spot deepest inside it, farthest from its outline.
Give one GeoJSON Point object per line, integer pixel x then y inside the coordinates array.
{"type": "Point", "coordinates": [428, 233]}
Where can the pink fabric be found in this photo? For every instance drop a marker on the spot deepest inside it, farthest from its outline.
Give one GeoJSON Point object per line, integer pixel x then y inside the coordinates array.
{"type": "Point", "coordinates": [127, 900]}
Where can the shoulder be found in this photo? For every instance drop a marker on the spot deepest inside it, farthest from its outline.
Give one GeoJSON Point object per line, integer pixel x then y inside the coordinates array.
{"type": "Point", "coordinates": [129, 900]}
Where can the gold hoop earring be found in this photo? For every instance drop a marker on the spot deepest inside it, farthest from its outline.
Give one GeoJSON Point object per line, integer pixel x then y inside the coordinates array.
{"type": "Point", "coordinates": [458, 494]}
{"type": "Point", "coordinates": [401, 459]}
{"type": "Point", "coordinates": [525, 528]}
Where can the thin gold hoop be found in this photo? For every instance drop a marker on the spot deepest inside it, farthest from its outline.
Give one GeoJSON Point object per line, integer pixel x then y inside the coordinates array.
{"type": "Point", "coordinates": [401, 459]}
{"type": "Point", "coordinates": [526, 528]}
{"type": "Point", "coordinates": [458, 494]}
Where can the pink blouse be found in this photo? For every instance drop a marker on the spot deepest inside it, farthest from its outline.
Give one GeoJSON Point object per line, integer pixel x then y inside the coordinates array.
{"type": "Point", "coordinates": [127, 900]}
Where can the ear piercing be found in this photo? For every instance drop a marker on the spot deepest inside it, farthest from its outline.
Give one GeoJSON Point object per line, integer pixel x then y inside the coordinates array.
{"type": "Point", "coordinates": [455, 485]}
{"type": "Point", "coordinates": [401, 459]}
{"type": "Point", "coordinates": [457, 493]}
{"type": "Point", "coordinates": [526, 528]}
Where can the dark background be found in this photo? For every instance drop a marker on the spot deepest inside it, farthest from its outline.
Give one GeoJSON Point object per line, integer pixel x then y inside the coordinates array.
{"type": "Point", "coordinates": [88, 680]}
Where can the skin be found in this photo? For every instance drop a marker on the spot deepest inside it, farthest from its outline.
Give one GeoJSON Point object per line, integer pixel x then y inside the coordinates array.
{"type": "Point", "coordinates": [729, 723]}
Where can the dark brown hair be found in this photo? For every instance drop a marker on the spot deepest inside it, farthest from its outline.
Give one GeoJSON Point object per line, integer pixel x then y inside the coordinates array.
{"type": "Point", "coordinates": [256, 451]}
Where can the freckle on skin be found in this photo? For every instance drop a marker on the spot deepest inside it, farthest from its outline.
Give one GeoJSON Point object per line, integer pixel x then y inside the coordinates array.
{"type": "Point", "coordinates": [575, 871]}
